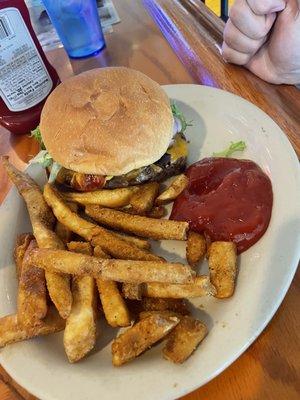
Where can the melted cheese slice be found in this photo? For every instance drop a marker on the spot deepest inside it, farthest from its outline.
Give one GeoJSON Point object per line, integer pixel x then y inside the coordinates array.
{"type": "Point", "coordinates": [178, 149]}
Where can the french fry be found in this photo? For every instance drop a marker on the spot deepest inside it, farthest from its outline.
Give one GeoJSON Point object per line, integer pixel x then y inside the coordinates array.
{"type": "Point", "coordinates": [114, 306]}
{"type": "Point", "coordinates": [184, 339]}
{"type": "Point", "coordinates": [80, 331]}
{"type": "Point", "coordinates": [98, 252]}
{"type": "Point", "coordinates": [67, 217]}
{"type": "Point", "coordinates": [141, 337]}
{"type": "Point", "coordinates": [112, 198]}
{"type": "Point", "coordinates": [132, 291]}
{"type": "Point", "coordinates": [109, 242]}
{"type": "Point", "coordinates": [173, 191]}
{"type": "Point", "coordinates": [80, 247]}
{"type": "Point", "coordinates": [178, 306]}
{"type": "Point", "coordinates": [138, 242]}
{"type": "Point", "coordinates": [61, 230]}
{"type": "Point", "coordinates": [11, 331]}
{"type": "Point", "coordinates": [199, 287]}
{"type": "Point", "coordinates": [122, 249]}
{"type": "Point", "coordinates": [143, 199]}
{"type": "Point", "coordinates": [32, 300]}
{"type": "Point", "coordinates": [157, 212]}
{"type": "Point", "coordinates": [195, 248]}
{"type": "Point", "coordinates": [116, 270]}
{"type": "Point", "coordinates": [42, 221]}
{"type": "Point", "coordinates": [222, 263]}
{"type": "Point", "coordinates": [139, 225]}
{"type": "Point", "coordinates": [59, 289]}
{"type": "Point", "coordinates": [166, 313]}
{"type": "Point", "coordinates": [39, 212]}
{"type": "Point", "coordinates": [21, 246]}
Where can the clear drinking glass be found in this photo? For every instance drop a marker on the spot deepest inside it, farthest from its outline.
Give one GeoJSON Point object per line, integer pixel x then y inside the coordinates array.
{"type": "Point", "coordinates": [78, 25]}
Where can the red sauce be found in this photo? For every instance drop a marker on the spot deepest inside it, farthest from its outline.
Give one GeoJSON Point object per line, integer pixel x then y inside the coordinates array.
{"type": "Point", "coordinates": [226, 199]}
{"type": "Point", "coordinates": [87, 182]}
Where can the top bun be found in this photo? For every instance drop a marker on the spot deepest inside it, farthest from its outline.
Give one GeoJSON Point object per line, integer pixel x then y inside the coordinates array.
{"type": "Point", "coordinates": [107, 121]}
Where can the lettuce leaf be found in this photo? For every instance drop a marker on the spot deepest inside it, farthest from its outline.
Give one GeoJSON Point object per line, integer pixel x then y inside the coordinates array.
{"type": "Point", "coordinates": [46, 161]}
{"type": "Point", "coordinates": [55, 168]}
{"type": "Point", "coordinates": [234, 146]}
{"type": "Point", "coordinates": [180, 119]}
{"type": "Point", "coordinates": [36, 134]}
{"type": "Point", "coordinates": [43, 158]}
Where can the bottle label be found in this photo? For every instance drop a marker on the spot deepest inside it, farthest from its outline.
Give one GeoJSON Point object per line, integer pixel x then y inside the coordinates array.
{"type": "Point", "coordinates": [24, 78]}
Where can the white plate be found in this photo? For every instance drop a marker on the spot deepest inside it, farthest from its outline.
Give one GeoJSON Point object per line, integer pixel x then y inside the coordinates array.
{"type": "Point", "coordinates": [266, 271]}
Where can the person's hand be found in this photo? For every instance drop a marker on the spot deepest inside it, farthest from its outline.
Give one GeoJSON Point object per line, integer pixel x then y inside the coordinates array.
{"type": "Point", "coordinates": [264, 36]}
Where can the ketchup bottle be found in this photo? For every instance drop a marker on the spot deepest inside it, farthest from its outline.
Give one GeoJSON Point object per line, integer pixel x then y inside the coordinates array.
{"type": "Point", "coordinates": [26, 76]}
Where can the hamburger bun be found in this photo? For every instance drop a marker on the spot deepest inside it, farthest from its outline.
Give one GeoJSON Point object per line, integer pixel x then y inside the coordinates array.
{"type": "Point", "coordinates": [107, 121]}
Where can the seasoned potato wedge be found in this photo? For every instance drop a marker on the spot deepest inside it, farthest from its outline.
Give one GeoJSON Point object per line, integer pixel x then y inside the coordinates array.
{"type": "Point", "coordinates": [32, 300]}
{"type": "Point", "coordinates": [21, 246]}
{"type": "Point", "coordinates": [141, 337]}
{"type": "Point", "coordinates": [42, 220]}
{"type": "Point", "coordinates": [143, 199]}
{"type": "Point", "coordinates": [222, 263]}
{"type": "Point", "coordinates": [195, 248]}
{"type": "Point", "coordinates": [11, 331]}
{"type": "Point", "coordinates": [80, 331]}
{"type": "Point", "coordinates": [173, 191]}
{"type": "Point", "coordinates": [184, 339]}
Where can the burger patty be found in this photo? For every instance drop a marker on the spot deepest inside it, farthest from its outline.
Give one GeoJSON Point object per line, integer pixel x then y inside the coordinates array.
{"type": "Point", "coordinates": [158, 171]}
{"type": "Point", "coordinates": [173, 162]}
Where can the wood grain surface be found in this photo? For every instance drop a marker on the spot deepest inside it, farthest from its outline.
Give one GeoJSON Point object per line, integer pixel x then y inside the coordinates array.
{"type": "Point", "coordinates": [195, 34]}
{"type": "Point", "coordinates": [269, 369]}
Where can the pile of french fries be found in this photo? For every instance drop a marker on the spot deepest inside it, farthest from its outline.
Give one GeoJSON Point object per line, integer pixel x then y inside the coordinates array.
{"type": "Point", "coordinates": [90, 254]}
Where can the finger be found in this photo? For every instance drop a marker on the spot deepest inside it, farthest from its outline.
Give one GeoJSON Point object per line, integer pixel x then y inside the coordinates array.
{"type": "Point", "coordinates": [261, 65]}
{"type": "Point", "coordinates": [245, 20]}
{"type": "Point", "coordinates": [235, 39]}
{"type": "Point", "coordinates": [263, 7]}
{"type": "Point", "coordinates": [234, 56]}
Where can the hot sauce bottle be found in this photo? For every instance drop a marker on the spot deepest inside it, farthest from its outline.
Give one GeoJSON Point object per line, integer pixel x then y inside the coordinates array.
{"type": "Point", "coordinates": [26, 76]}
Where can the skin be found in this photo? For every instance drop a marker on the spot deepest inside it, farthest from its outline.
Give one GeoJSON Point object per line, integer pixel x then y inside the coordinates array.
{"type": "Point", "coordinates": [264, 36]}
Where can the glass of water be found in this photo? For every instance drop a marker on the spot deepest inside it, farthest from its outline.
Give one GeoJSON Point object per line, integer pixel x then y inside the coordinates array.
{"type": "Point", "coordinates": [78, 25]}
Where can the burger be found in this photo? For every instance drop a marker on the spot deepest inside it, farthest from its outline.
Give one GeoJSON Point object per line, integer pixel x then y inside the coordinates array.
{"type": "Point", "coordinates": [110, 128]}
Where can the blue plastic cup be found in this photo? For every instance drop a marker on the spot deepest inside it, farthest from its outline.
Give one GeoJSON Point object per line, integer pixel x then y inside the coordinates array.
{"type": "Point", "coordinates": [78, 25]}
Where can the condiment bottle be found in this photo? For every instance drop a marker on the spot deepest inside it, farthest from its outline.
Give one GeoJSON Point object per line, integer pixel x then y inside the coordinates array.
{"type": "Point", "coordinates": [26, 76]}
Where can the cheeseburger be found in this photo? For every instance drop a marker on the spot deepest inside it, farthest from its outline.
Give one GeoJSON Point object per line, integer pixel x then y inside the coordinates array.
{"type": "Point", "coordinates": [110, 128]}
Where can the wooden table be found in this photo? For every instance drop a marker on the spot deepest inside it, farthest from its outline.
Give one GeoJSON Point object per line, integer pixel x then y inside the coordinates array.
{"type": "Point", "coordinates": [269, 369]}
